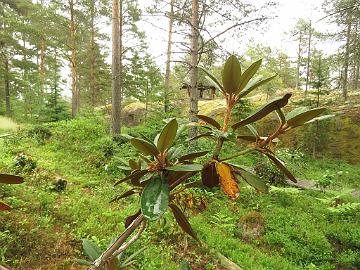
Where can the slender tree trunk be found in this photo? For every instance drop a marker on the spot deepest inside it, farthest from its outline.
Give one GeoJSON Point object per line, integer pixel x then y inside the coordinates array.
{"type": "Point", "coordinates": [42, 66]}
{"type": "Point", "coordinates": [193, 66]}
{"type": "Point", "coordinates": [297, 83]}
{"type": "Point", "coordinates": [55, 80]}
{"type": "Point", "coordinates": [92, 57]}
{"type": "Point", "coordinates": [75, 101]}
{"type": "Point", "coordinates": [7, 88]}
{"type": "Point", "coordinates": [116, 67]}
{"type": "Point", "coordinates": [357, 58]}
{"type": "Point", "coordinates": [168, 57]}
{"type": "Point", "coordinates": [308, 60]}
{"type": "Point", "coordinates": [347, 56]}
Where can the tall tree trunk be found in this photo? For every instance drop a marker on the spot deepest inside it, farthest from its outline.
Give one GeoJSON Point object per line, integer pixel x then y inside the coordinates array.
{"type": "Point", "coordinates": [55, 79]}
{"type": "Point", "coordinates": [168, 57]}
{"type": "Point", "coordinates": [357, 58]}
{"type": "Point", "coordinates": [42, 62]}
{"type": "Point", "coordinates": [116, 67]}
{"type": "Point", "coordinates": [308, 60]}
{"type": "Point", "coordinates": [193, 66]}
{"type": "Point", "coordinates": [297, 83]}
{"type": "Point", "coordinates": [347, 56]}
{"type": "Point", "coordinates": [42, 66]}
{"type": "Point", "coordinates": [92, 57]}
{"type": "Point", "coordinates": [7, 88]}
{"type": "Point", "coordinates": [75, 101]}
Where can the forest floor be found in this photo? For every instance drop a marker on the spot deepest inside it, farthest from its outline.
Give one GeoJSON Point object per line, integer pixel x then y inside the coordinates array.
{"type": "Point", "coordinates": [288, 228]}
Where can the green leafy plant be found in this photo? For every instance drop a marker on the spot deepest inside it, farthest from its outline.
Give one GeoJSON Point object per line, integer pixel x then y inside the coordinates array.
{"type": "Point", "coordinates": [161, 170]}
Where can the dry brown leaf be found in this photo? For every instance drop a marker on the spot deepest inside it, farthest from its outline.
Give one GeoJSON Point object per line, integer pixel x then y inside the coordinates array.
{"type": "Point", "coordinates": [227, 180]}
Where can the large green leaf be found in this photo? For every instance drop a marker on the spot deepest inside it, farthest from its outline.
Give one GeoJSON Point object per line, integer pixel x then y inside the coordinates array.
{"type": "Point", "coordinates": [253, 84]}
{"type": "Point", "coordinates": [136, 175]}
{"type": "Point", "coordinates": [320, 118]}
{"type": "Point", "coordinates": [91, 249]}
{"type": "Point", "coordinates": [301, 115]}
{"type": "Point", "coordinates": [182, 221]}
{"type": "Point", "coordinates": [252, 180]}
{"type": "Point", "coordinates": [11, 179]}
{"type": "Point", "coordinates": [206, 134]}
{"type": "Point", "coordinates": [231, 75]}
{"type": "Point", "coordinates": [278, 163]}
{"type": "Point", "coordinates": [192, 156]}
{"type": "Point", "coordinates": [185, 168]}
{"type": "Point", "coordinates": [155, 199]}
{"type": "Point", "coordinates": [263, 111]}
{"type": "Point", "coordinates": [209, 120]}
{"type": "Point", "coordinates": [167, 135]}
{"type": "Point", "coordinates": [124, 195]}
{"type": "Point", "coordinates": [145, 147]}
{"type": "Point", "coordinates": [248, 74]}
{"type": "Point", "coordinates": [213, 79]}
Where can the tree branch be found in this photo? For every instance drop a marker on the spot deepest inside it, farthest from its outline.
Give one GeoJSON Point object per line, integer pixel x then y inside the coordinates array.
{"type": "Point", "coordinates": [108, 254]}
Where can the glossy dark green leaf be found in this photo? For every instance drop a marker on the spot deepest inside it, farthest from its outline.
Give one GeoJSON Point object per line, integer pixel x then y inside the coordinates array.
{"type": "Point", "coordinates": [253, 130]}
{"type": "Point", "coordinates": [206, 134]}
{"type": "Point", "coordinates": [174, 177]}
{"type": "Point", "coordinates": [124, 195]}
{"type": "Point", "coordinates": [185, 168]}
{"type": "Point", "coordinates": [263, 111]}
{"type": "Point", "coordinates": [248, 75]}
{"type": "Point", "coordinates": [209, 176]}
{"type": "Point", "coordinates": [213, 79]}
{"type": "Point", "coordinates": [131, 218]}
{"type": "Point", "coordinates": [185, 266]}
{"type": "Point", "coordinates": [145, 147]}
{"type": "Point", "coordinates": [174, 152]}
{"type": "Point", "coordinates": [192, 156]}
{"type": "Point", "coordinates": [91, 249]}
{"type": "Point", "coordinates": [278, 163]}
{"type": "Point", "coordinates": [133, 175]}
{"type": "Point", "coordinates": [155, 199]}
{"type": "Point", "coordinates": [167, 135]}
{"type": "Point", "coordinates": [209, 120]}
{"type": "Point", "coordinates": [252, 85]}
{"type": "Point", "coordinates": [133, 164]}
{"type": "Point", "coordinates": [301, 115]}
{"type": "Point", "coordinates": [11, 179]}
{"type": "Point", "coordinates": [320, 118]}
{"type": "Point", "coordinates": [252, 179]}
{"type": "Point", "coordinates": [4, 206]}
{"type": "Point", "coordinates": [231, 75]}
{"type": "Point", "coordinates": [182, 221]}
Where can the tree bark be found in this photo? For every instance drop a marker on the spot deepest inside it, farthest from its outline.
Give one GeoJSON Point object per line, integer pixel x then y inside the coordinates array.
{"type": "Point", "coordinates": [168, 57]}
{"type": "Point", "coordinates": [92, 56]}
{"type": "Point", "coordinates": [308, 60]}
{"type": "Point", "coordinates": [297, 83]}
{"type": "Point", "coordinates": [75, 101]}
{"type": "Point", "coordinates": [7, 88]}
{"type": "Point", "coordinates": [116, 66]}
{"type": "Point", "coordinates": [347, 56]}
{"type": "Point", "coordinates": [357, 58]}
{"type": "Point", "coordinates": [193, 66]}
{"type": "Point", "coordinates": [42, 66]}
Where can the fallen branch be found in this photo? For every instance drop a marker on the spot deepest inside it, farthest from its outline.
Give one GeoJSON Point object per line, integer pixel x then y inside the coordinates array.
{"type": "Point", "coordinates": [109, 253]}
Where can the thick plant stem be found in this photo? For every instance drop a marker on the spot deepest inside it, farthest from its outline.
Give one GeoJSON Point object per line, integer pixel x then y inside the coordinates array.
{"type": "Point", "coordinates": [227, 116]}
{"type": "Point", "coordinates": [109, 253]}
